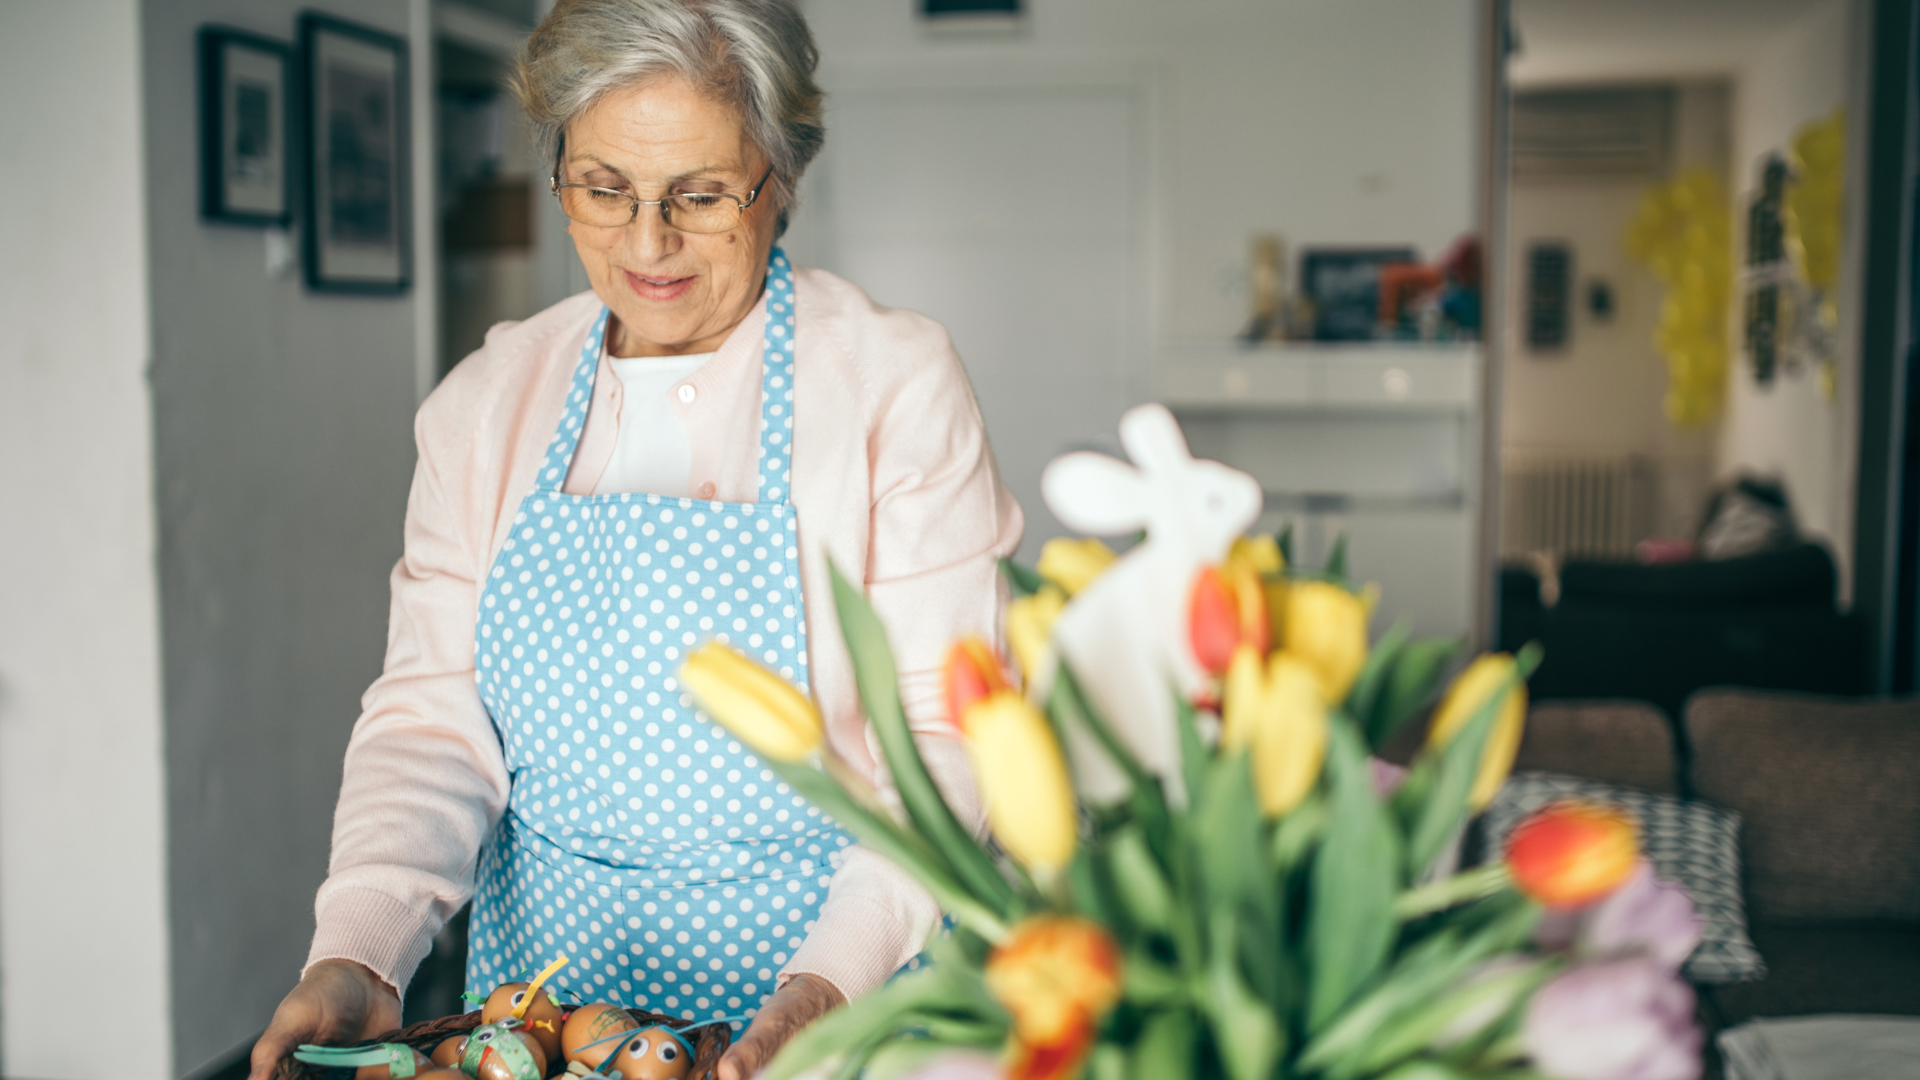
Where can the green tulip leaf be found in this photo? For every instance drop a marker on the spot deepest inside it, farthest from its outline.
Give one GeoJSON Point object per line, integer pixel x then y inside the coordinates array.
{"type": "Point", "coordinates": [1139, 882]}
{"type": "Point", "coordinates": [1167, 1046]}
{"type": "Point", "coordinates": [1410, 685]}
{"type": "Point", "coordinates": [1024, 579]}
{"type": "Point", "coordinates": [879, 686]}
{"type": "Point", "coordinates": [1371, 683]}
{"type": "Point", "coordinates": [1355, 877]}
{"type": "Point", "coordinates": [1337, 559]}
{"type": "Point", "coordinates": [1245, 1029]}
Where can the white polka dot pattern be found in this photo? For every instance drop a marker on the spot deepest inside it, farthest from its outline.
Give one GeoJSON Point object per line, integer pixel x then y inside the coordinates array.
{"type": "Point", "coordinates": [640, 838]}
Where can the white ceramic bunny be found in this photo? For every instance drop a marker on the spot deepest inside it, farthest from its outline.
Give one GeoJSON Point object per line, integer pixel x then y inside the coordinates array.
{"type": "Point", "coordinates": [1125, 635]}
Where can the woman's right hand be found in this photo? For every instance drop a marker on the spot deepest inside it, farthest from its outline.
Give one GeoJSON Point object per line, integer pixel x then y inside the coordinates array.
{"type": "Point", "coordinates": [338, 1001]}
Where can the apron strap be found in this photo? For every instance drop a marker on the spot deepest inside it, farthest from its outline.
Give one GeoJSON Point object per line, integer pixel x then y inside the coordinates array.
{"type": "Point", "coordinates": [776, 383]}
{"type": "Point", "coordinates": [573, 417]}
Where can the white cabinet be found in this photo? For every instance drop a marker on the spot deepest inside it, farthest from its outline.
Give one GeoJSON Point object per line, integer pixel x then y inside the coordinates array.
{"type": "Point", "coordinates": [1379, 441]}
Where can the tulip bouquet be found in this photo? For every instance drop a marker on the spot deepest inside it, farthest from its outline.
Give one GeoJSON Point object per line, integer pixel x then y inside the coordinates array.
{"type": "Point", "coordinates": [1271, 902]}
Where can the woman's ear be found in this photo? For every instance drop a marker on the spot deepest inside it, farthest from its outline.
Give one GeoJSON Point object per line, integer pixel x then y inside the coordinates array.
{"type": "Point", "coordinates": [1093, 493]}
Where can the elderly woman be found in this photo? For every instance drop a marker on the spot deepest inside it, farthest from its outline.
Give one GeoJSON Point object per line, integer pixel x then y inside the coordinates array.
{"type": "Point", "coordinates": [677, 455]}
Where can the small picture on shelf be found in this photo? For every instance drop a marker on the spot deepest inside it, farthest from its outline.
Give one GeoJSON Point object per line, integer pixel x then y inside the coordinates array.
{"type": "Point", "coordinates": [1344, 286]}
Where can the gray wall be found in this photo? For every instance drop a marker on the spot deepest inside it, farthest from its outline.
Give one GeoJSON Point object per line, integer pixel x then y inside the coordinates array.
{"type": "Point", "coordinates": [282, 428]}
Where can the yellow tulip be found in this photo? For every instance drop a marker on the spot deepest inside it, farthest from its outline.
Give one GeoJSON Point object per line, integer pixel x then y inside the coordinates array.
{"type": "Point", "coordinates": [1325, 626]}
{"type": "Point", "coordinates": [1290, 745]}
{"type": "Point", "coordinates": [1023, 777]}
{"type": "Point", "coordinates": [1054, 974]}
{"type": "Point", "coordinates": [1071, 564]}
{"type": "Point", "coordinates": [1275, 707]}
{"type": "Point", "coordinates": [760, 707]}
{"type": "Point", "coordinates": [1485, 677]}
{"type": "Point", "coordinates": [1030, 625]}
{"type": "Point", "coordinates": [1261, 554]}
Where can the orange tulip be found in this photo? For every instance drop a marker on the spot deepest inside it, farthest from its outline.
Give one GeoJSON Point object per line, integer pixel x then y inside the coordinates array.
{"type": "Point", "coordinates": [1573, 853]}
{"type": "Point", "coordinates": [1226, 609]}
{"type": "Point", "coordinates": [1056, 975]}
{"type": "Point", "coordinates": [1057, 1060]}
{"type": "Point", "coordinates": [972, 672]}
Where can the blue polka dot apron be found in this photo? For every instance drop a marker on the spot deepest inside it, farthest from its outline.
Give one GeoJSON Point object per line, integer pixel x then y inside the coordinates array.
{"type": "Point", "coordinates": [639, 838]}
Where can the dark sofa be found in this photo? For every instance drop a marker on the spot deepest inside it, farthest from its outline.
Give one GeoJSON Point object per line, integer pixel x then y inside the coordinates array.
{"type": "Point", "coordinates": [1659, 633]}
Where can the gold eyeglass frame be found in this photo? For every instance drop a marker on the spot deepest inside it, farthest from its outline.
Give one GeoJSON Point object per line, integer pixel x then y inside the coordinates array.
{"type": "Point", "coordinates": [661, 202]}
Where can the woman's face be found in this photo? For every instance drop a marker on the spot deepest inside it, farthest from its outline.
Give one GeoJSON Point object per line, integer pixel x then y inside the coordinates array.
{"type": "Point", "coordinates": [671, 292]}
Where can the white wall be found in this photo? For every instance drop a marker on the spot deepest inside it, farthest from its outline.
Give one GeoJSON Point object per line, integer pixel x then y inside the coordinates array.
{"type": "Point", "coordinates": [283, 433]}
{"type": "Point", "coordinates": [1604, 394]}
{"type": "Point", "coordinates": [83, 898]}
{"type": "Point", "coordinates": [1791, 428]}
{"type": "Point", "coordinates": [1330, 122]}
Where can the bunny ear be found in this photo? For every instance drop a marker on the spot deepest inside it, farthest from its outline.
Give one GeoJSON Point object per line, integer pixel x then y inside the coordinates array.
{"type": "Point", "coordinates": [1093, 493]}
{"type": "Point", "coordinates": [1153, 439]}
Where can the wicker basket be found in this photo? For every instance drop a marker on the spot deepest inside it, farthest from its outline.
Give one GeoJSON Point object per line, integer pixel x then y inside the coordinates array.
{"type": "Point", "coordinates": [709, 1043]}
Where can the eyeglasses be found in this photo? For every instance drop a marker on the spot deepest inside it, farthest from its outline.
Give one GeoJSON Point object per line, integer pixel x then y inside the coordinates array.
{"type": "Point", "coordinates": [694, 212]}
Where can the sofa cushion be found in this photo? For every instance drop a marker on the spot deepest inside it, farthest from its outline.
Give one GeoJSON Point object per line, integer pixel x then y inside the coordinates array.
{"type": "Point", "coordinates": [1827, 788]}
{"type": "Point", "coordinates": [1690, 844]}
{"type": "Point", "coordinates": [1856, 967]}
{"type": "Point", "coordinates": [1629, 743]}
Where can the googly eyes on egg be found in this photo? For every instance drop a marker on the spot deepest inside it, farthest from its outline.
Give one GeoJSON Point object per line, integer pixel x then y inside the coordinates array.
{"type": "Point", "coordinates": [637, 1048]}
{"type": "Point", "coordinates": [669, 1051]}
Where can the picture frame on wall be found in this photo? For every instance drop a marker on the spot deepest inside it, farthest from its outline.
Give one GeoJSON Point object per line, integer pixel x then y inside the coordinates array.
{"type": "Point", "coordinates": [357, 213]}
{"type": "Point", "coordinates": [1344, 285]}
{"type": "Point", "coordinates": [245, 127]}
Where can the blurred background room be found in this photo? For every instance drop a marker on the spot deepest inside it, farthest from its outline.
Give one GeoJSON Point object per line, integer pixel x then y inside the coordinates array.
{"type": "Point", "coordinates": [1577, 320]}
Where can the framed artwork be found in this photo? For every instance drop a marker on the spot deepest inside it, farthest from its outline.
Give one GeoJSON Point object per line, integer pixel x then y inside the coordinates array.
{"type": "Point", "coordinates": [356, 235]}
{"type": "Point", "coordinates": [1344, 285]}
{"type": "Point", "coordinates": [244, 124]}
{"type": "Point", "coordinates": [1549, 296]}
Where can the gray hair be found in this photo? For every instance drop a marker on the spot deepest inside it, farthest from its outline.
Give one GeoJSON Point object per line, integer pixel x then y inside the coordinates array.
{"type": "Point", "coordinates": [754, 55]}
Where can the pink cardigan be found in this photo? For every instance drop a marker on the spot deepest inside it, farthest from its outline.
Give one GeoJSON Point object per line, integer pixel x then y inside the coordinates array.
{"type": "Point", "coordinates": [893, 481]}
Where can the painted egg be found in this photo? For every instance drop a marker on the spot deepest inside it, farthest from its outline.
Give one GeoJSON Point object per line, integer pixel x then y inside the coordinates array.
{"type": "Point", "coordinates": [542, 1018]}
{"type": "Point", "coordinates": [503, 1052]}
{"type": "Point", "coordinates": [589, 1024]}
{"type": "Point", "coordinates": [385, 1072]}
{"type": "Point", "coordinates": [652, 1054]}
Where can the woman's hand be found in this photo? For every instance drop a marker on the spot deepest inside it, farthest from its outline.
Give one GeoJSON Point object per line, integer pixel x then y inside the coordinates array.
{"type": "Point", "coordinates": [803, 1000]}
{"type": "Point", "coordinates": [338, 1001]}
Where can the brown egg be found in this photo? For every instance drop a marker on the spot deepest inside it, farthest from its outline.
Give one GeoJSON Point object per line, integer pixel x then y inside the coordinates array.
{"type": "Point", "coordinates": [447, 1054]}
{"type": "Point", "coordinates": [652, 1054]}
{"type": "Point", "coordinates": [441, 1074]}
{"type": "Point", "coordinates": [542, 1018]}
{"type": "Point", "coordinates": [492, 1063]}
{"type": "Point", "coordinates": [587, 1025]}
{"type": "Point", "coordinates": [384, 1072]}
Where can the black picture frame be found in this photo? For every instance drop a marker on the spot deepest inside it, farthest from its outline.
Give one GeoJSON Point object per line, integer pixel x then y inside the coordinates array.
{"type": "Point", "coordinates": [246, 127]}
{"type": "Point", "coordinates": [354, 78]}
{"type": "Point", "coordinates": [1344, 285]}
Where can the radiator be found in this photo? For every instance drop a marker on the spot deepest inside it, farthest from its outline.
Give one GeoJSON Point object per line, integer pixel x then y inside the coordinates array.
{"type": "Point", "coordinates": [1592, 507]}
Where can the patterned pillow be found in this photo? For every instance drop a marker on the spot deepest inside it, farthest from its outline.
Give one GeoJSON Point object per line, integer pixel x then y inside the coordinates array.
{"type": "Point", "coordinates": [1692, 844]}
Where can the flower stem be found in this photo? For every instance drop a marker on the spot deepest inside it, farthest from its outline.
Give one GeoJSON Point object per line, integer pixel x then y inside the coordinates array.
{"type": "Point", "coordinates": [1449, 892]}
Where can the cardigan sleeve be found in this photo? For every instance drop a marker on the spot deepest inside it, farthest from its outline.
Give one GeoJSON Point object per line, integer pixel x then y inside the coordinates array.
{"type": "Point", "coordinates": [941, 520]}
{"type": "Point", "coordinates": [424, 778]}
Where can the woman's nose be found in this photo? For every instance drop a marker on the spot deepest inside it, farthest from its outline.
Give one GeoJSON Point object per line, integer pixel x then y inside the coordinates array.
{"type": "Point", "coordinates": [649, 237]}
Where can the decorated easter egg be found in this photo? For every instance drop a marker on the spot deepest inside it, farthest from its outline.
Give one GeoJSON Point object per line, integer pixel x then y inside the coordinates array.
{"type": "Point", "coordinates": [581, 1037]}
{"type": "Point", "coordinates": [503, 1051]}
{"type": "Point", "coordinates": [542, 1018]}
{"type": "Point", "coordinates": [652, 1054]}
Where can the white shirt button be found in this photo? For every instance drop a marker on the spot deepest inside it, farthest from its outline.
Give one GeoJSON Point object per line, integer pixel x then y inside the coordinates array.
{"type": "Point", "coordinates": [686, 392]}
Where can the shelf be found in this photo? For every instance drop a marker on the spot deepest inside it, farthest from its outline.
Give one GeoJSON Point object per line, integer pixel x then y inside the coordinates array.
{"type": "Point", "coordinates": [1391, 377]}
{"type": "Point", "coordinates": [1340, 502]}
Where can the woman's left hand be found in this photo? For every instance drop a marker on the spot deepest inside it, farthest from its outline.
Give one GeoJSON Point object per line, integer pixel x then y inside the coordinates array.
{"type": "Point", "coordinates": [803, 1000]}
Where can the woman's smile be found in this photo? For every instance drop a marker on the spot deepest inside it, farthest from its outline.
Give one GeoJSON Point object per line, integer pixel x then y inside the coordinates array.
{"type": "Point", "coordinates": [657, 287]}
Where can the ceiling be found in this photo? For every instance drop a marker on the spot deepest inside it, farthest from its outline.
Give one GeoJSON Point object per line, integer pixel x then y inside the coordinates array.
{"type": "Point", "coordinates": [1604, 40]}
